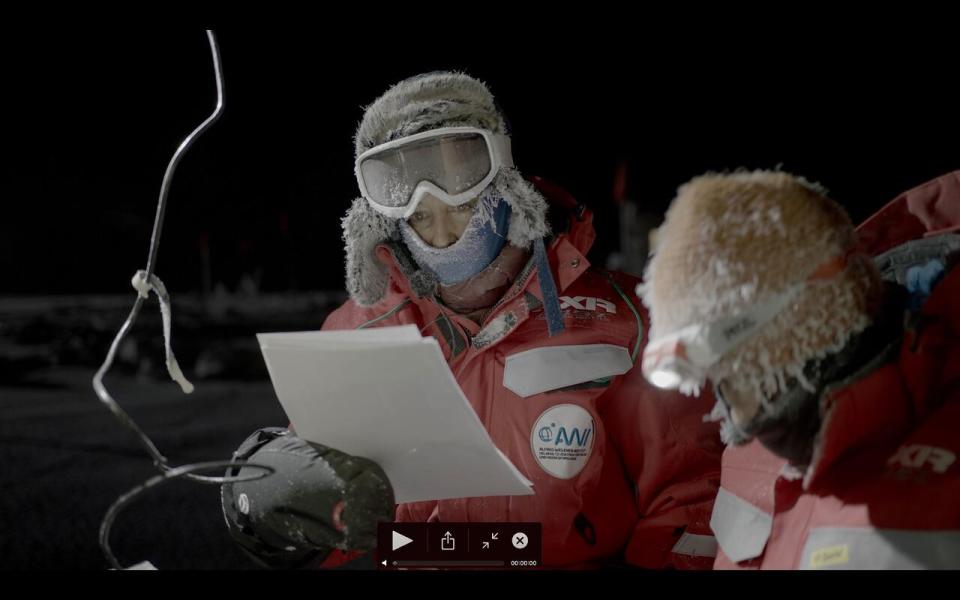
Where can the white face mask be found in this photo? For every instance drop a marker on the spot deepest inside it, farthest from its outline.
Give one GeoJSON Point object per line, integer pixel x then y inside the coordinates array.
{"type": "Point", "coordinates": [479, 245]}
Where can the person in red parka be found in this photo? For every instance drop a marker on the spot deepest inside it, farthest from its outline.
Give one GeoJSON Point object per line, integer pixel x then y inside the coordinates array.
{"type": "Point", "coordinates": [448, 236]}
{"type": "Point", "coordinates": [834, 355]}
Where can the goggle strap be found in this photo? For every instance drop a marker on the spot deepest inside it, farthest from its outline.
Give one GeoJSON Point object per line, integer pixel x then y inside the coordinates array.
{"type": "Point", "coordinates": [704, 345]}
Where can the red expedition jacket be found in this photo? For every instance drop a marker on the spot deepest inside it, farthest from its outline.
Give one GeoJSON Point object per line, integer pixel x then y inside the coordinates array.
{"type": "Point", "coordinates": [883, 490]}
{"type": "Point", "coordinates": [620, 469]}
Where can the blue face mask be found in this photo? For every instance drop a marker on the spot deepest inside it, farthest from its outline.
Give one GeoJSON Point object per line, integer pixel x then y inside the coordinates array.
{"type": "Point", "coordinates": [481, 242]}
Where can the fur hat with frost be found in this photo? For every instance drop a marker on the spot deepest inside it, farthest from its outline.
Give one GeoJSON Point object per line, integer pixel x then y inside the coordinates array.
{"type": "Point", "coordinates": [731, 241]}
{"type": "Point", "coordinates": [414, 105]}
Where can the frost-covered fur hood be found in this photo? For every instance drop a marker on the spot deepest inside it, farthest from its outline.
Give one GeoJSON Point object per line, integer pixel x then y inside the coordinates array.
{"type": "Point", "coordinates": [421, 103]}
{"type": "Point", "coordinates": [731, 241]}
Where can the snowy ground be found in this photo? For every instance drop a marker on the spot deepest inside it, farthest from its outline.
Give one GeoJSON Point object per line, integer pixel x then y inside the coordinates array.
{"type": "Point", "coordinates": [64, 459]}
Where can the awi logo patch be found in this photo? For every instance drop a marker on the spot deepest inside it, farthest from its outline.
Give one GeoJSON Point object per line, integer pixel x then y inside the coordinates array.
{"type": "Point", "coordinates": [562, 440]}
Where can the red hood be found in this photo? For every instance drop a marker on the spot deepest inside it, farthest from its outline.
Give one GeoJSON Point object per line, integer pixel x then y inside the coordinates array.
{"type": "Point", "coordinates": [580, 233]}
{"type": "Point", "coordinates": [930, 209]}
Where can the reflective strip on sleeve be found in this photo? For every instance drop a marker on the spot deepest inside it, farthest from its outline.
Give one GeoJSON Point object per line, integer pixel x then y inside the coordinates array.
{"type": "Point", "coordinates": [741, 528]}
{"type": "Point", "coordinates": [863, 548]}
{"type": "Point", "coordinates": [692, 544]}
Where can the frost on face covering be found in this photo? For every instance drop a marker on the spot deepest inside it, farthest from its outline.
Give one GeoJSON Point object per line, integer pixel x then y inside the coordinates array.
{"type": "Point", "coordinates": [481, 242]}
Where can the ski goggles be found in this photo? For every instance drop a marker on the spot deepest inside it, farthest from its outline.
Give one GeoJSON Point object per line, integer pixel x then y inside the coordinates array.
{"type": "Point", "coordinates": [681, 360]}
{"type": "Point", "coordinates": [453, 164]}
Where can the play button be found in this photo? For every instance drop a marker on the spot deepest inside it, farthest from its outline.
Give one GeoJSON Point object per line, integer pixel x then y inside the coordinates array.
{"type": "Point", "coordinates": [400, 540]}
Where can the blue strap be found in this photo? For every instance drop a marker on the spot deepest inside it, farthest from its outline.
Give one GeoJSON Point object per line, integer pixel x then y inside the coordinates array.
{"type": "Point", "coordinates": [922, 279]}
{"type": "Point", "coordinates": [551, 300]}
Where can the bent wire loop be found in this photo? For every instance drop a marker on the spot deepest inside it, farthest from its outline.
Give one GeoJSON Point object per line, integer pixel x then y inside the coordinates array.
{"type": "Point", "coordinates": [145, 281]}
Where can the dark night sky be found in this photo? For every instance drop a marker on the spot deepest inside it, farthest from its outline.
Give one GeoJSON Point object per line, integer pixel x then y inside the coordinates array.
{"type": "Point", "coordinates": [93, 117]}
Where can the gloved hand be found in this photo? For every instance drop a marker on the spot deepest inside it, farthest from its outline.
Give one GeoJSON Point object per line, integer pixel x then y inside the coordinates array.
{"type": "Point", "coordinates": [317, 500]}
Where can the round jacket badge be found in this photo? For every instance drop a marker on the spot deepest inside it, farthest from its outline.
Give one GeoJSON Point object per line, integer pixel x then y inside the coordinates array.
{"type": "Point", "coordinates": [562, 440]}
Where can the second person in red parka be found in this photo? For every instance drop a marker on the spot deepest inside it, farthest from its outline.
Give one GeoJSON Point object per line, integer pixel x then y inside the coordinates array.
{"type": "Point", "coordinates": [834, 354]}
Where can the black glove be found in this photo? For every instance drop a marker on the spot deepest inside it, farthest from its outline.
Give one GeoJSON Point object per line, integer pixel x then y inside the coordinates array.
{"type": "Point", "coordinates": [317, 500]}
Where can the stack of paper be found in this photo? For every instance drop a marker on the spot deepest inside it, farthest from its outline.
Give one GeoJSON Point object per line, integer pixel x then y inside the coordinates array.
{"type": "Point", "coordinates": [387, 394]}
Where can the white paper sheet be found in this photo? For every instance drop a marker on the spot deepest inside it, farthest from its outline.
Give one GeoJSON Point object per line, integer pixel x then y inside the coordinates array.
{"type": "Point", "coordinates": [387, 394]}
